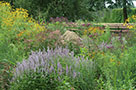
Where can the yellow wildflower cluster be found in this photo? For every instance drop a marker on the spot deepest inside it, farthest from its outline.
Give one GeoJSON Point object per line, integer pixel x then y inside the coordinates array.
{"type": "Point", "coordinates": [93, 30]}
{"type": "Point", "coordinates": [3, 4]}
{"type": "Point", "coordinates": [112, 60]}
{"type": "Point", "coordinates": [130, 19]}
{"type": "Point", "coordinates": [133, 17]}
{"type": "Point", "coordinates": [17, 21]}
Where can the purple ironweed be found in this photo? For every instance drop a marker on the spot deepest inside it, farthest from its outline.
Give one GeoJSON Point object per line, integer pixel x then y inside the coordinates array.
{"type": "Point", "coordinates": [83, 24]}
{"type": "Point", "coordinates": [59, 19]}
{"type": "Point", "coordinates": [88, 24]}
{"type": "Point", "coordinates": [90, 36]}
{"type": "Point", "coordinates": [51, 19]}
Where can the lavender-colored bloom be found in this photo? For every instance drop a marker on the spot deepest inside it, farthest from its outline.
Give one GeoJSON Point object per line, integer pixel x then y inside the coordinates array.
{"type": "Point", "coordinates": [59, 79]}
{"type": "Point", "coordinates": [21, 68]}
{"type": "Point", "coordinates": [51, 69]}
{"type": "Point", "coordinates": [49, 62]}
{"type": "Point", "coordinates": [66, 69]}
{"type": "Point", "coordinates": [70, 71]}
{"type": "Point", "coordinates": [74, 74]}
{"type": "Point", "coordinates": [104, 45]}
{"type": "Point", "coordinates": [72, 55]}
{"type": "Point", "coordinates": [34, 69]}
{"type": "Point", "coordinates": [59, 68]}
{"type": "Point", "coordinates": [17, 72]}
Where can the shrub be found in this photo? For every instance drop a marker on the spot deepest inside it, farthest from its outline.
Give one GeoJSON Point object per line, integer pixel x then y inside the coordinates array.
{"type": "Point", "coordinates": [56, 65]}
{"type": "Point", "coordinates": [18, 28]}
{"type": "Point", "coordinates": [114, 15]}
{"type": "Point", "coordinates": [117, 69]}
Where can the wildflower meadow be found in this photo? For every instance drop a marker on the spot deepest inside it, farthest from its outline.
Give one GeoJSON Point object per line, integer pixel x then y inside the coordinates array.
{"type": "Point", "coordinates": [41, 51]}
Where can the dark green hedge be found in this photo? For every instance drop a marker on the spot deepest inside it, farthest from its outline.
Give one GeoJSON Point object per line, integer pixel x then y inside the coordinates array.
{"type": "Point", "coordinates": [116, 15]}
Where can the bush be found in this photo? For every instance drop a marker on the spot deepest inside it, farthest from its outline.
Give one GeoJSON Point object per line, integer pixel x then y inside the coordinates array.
{"type": "Point", "coordinates": [18, 28]}
{"type": "Point", "coordinates": [114, 15]}
{"type": "Point", "coordinates": [58, 65]}
{"type": "Point", "coordinates": [54, 8]}
{"type": "Point", "coordinates": [117, 69]}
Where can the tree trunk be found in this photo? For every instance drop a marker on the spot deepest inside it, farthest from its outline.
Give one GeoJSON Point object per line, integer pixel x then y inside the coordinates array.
{"type": "Point", "coordinates": [125, 10]}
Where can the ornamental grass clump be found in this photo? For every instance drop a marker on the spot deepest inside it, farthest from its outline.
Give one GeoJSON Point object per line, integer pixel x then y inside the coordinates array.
{"type": "Point", "coordinates": [55, 65]}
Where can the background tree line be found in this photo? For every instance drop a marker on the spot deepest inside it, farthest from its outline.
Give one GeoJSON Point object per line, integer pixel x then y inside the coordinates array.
{"type": "Point", "coordinates": [72, 9]}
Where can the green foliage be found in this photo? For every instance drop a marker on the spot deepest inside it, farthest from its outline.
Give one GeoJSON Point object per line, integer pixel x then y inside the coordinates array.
{"type": "Point", "coordinates": [37, 81]}
{"type": "Point", "coordinates": [115, 15]}
{"type": "Point", "coordinates": [117, 70]}
{"type": "Point", "coordinates": [73, 10]}
{"type": "Point", "coordinates": [106, 36]}
{"type": "Point", "coordinates": [40, 81]}
{"type": "Point", "coordinates": [110, 60]}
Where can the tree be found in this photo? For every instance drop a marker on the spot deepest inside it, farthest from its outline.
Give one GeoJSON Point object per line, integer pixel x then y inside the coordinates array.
{"type": "Point", "coordinates": [97, 5]}
{"type": "Point", "coordinates": [125, 4]}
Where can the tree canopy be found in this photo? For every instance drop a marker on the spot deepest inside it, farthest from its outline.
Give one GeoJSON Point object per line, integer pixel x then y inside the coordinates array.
{"type": "Point", "coordinates": [72, 9]}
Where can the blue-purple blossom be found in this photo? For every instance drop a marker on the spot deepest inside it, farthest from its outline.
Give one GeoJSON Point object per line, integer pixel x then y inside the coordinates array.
{"type": "Point", "coordinates": [74, 74]}
{"type": "Point", "coordinates": [50, 62]}
{"type": "Point", "coordinates": [66, 69]}
{"type": "Point", "coordinates": [59, 68]}
{"type": "Point", "coordinates": [104, 45]}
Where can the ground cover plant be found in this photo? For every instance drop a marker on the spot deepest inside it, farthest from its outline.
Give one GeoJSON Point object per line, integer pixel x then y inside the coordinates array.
{"type": "Point", "coordinates": [33, 57]}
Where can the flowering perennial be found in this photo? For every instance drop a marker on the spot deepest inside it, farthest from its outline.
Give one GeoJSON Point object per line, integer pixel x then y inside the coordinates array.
{"type": "Point", "coordinates": [58, 61]}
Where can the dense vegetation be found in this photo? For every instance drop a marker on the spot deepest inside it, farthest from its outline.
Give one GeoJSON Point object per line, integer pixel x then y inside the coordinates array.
{"type": "Point", "coordinates": [36, 55]}
{"type": "Point", "coordinates": [72, 9]}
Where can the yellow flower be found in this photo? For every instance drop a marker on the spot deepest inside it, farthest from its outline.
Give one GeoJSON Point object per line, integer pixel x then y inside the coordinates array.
{"type": "Point", "coordinates": [118, 63]}
{"type": "Point", "coordinates": [134, 17]}
{"type": "Point", "coordinates": [102, 54]}
{"type": "Point", "coordinates": [124, 24]}
{"type": "Point", "coordinates": [130, 27]}
{"type": "Point", "coordinates": [127, 20]}
{"type": "Point", "coordinates": [112, 60]}
{"type": "Point", "coordinates": [93, 53]}
{"type": "Point", "coordinates": [102, 31]}
{"type": "Point", "coordinates": [90, 29]}
{"type": "Point", "coordinates": [85, 32]}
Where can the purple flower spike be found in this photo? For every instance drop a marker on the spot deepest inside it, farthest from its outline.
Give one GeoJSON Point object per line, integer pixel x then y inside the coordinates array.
{"type": "Point", "coordinates": [50, 62]}
{"type": "Point", "coordinates": [66, 69]}
{"type": "Point", "coordinates": [59, 79]}
{"type": "Point", "coordinates": [74, 74]}
{"type": "Point", "coordinates": [59, 68]}
{"type": "Point", "coordinates": [51, 69]}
